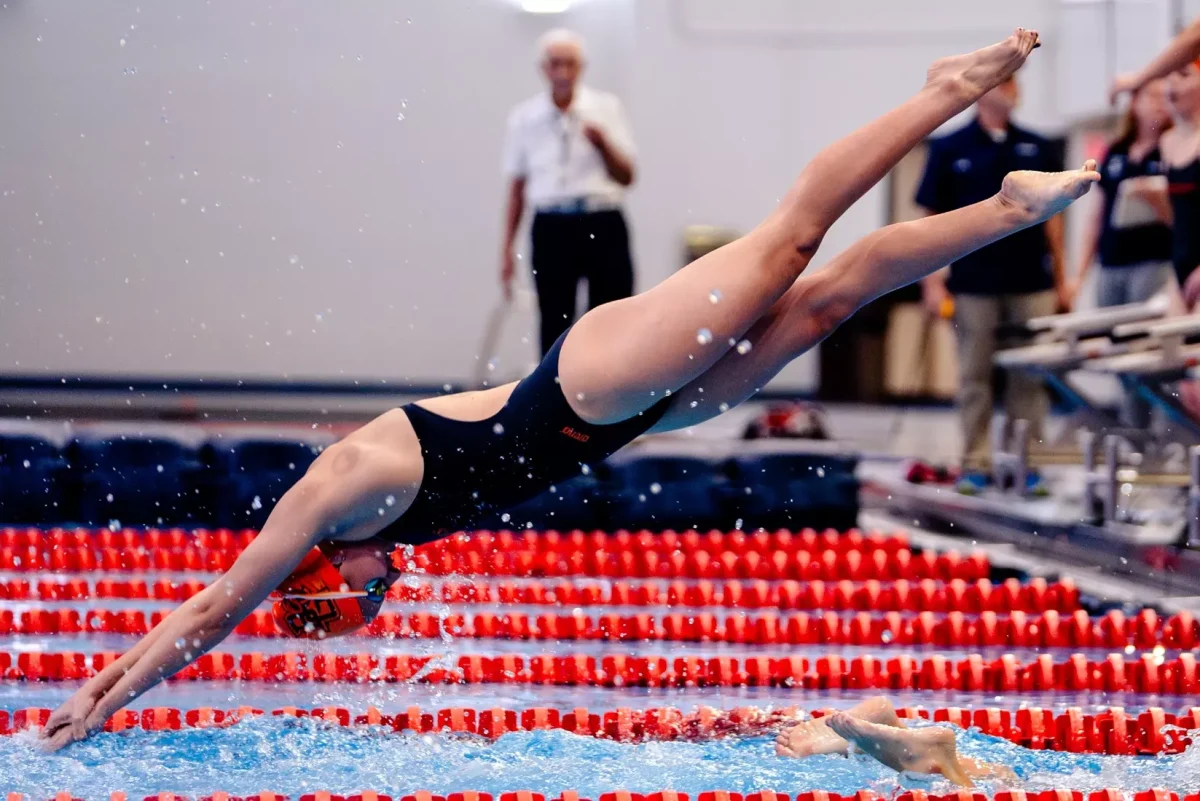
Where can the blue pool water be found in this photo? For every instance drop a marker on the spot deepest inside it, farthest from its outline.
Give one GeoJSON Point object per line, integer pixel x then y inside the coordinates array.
{"type": "Point", "coordinates": [295, 756]}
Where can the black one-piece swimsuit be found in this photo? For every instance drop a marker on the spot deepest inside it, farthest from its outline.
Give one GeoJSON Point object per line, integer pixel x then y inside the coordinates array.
{"type": "Point", "coordinates": [474, 468]}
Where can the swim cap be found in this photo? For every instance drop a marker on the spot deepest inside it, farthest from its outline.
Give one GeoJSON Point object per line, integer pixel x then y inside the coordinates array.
{"type": "Point", "coordinates": [316, 618]}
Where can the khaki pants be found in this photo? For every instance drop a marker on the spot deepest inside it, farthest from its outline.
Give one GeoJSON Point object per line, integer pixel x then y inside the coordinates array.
{"type": "Point", "coordinates": [976, 318]}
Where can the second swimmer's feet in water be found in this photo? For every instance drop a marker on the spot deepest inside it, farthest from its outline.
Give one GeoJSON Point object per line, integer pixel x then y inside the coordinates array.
{"type": "Point", "coordinates": [930, 751]}
{"type": "Point", "coordinates": [976, 73]}
{"type": "Point", "coordinates": [1038, 196]}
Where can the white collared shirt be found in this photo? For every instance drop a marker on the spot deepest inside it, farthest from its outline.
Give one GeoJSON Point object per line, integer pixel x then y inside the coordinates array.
{"type": "Point", "coordinates": [547, 148]}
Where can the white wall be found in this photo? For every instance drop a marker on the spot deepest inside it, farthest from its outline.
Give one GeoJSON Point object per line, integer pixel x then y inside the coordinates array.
{"type": "Point", "coordinates": [278, 125]}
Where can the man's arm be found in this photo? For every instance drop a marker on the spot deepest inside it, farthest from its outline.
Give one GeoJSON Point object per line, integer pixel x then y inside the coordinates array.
{"type": "Point", "coordinates": [1055, 241]}
{"type": "Point", "coordinates": [1182, 50]}
{"type": "Point", "coordinates": [514, 210]}
{"type": "Point", "coordinates": [617, 163]}
{"type": "Point", "coordinates": [1091, 248]}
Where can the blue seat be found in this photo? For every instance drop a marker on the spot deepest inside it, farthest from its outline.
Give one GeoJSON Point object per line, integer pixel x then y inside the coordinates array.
{"type": "Point", "coordinates": [250, 475]}
{"type": "Point", "coordinates": [667, 492]}
{"type": "Point", "coordinates": [793, 490]}
{"type": "Point", "coordinates": [581, 502]}
{"type": "Point", "coordinates": [32, 486]}
{"type": "Point", "coordinates": [136, 479]}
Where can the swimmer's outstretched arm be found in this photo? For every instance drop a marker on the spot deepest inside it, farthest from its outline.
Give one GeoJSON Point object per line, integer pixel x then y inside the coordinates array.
{"type": "Point", "coordinates": [337, 498]}
{"type": "Point", "coordinates": [1182, 50]}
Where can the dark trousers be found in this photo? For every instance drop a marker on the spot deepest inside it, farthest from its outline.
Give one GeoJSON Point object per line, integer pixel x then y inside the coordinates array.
{"type": "Point", "coordinates": [568, 248]}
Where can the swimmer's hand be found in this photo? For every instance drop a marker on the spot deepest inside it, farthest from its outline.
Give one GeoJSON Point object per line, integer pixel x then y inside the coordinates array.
{"type": "Point", "coordinates": [70, 722]}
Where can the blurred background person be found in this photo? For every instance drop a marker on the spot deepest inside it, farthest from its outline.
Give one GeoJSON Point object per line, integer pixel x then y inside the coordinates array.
{"type": "Point", "coordinates": [1011, 281]}
{"type": "Point", "coordinates": [569, 156]}
{"type": "Point", "coordinates": [1181, 153]}
{"type": "Point", "coordinates": [1130, 233]}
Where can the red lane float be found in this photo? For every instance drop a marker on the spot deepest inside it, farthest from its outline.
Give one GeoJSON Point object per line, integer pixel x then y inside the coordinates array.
{"type": "Point", "coordinates": [890, 630]}
{"type": "Point", "coordinates": [483, 542]}
{"type": "Point", "coordinates": [1113, 731]}
{"type": "Point", "coordinates": [973, 673]}
{"type": "Point", "coordinates": [901, 595]}
{"type": "Point", "coordinates": [854, 565]}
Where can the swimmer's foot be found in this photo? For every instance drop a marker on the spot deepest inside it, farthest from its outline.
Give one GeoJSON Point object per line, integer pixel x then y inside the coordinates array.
{"type": "Point", "coordinates": [975, 74]}
{"type": "Point", "coordinates": [811, 737]}
{"type": "Point", "coordinates": [1038, 196]}
{"type": "Point", "coordinates": [929, 751]}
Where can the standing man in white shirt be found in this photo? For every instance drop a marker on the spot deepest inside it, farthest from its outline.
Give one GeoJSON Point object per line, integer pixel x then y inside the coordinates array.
{"type": "Point", "coordinates": [569, 155]}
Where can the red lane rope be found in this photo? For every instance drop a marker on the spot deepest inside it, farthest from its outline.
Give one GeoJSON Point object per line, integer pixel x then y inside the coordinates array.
{"type": "Point", "coordinates": [1148, 673]}
{"type": "Point", "coordinates": [902, 595]}
{"type": "Point", "coordinates": [1144, 630]}
{"type": "Point", "coordinates": [1112, 731]}
{"type": "Point", "coordinates": [484, 541]}
{"type": "Point", "coordinates": [829, 565]}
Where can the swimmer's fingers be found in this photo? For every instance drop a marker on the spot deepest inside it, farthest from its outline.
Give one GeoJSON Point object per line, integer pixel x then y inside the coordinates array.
{"type": "Point", "coordinates": [61, 739]}
{"type": "Point", "coordinates": [783, 745]}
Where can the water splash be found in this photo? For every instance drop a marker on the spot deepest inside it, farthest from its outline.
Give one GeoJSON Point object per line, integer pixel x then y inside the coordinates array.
{"type": "Point", "coordinates": [296, 756]}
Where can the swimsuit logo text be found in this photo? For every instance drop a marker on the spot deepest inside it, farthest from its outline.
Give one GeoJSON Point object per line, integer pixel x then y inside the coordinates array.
{"type": "Point", "coordinates": [575, 435]}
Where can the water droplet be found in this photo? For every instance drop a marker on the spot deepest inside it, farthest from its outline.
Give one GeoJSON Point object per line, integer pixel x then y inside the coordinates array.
{"type": "Point", "coordinates": [340, 145]}
{"type": "Point", "coordinates": [180, 643]}
{"type": "Point", "coordinates": [579, 396]}
{"type": "Point", "coordinates": [122, 41]}
{"type": "Point", "coordinates": [820, 472]}
{"type": "Point", "coordinates": [714, 297]}
{"type": "Point", "coordinates": [491, 365]}
{"type": "Point", "coordinates": [498, 429]}
{"type": "Point", "coordinates": [694, 404]}
{"type": "Point", "coordinates": [724, 407]}
{"type": "Point", "coordinates": [130, 71]}
{"type": "Point", "coordinates": [744, 347]}
{"type": "Point", "coordinates": [256, 503]}
{"type": "Point", "coordinates": [886, 635]}
{"type": "Point", "coordinates": [159, 468]}
{"type": "Point", "coordinates": [737, 524]}
{"type": "Point", "coordinates": [114, 525]}
{"type": "Point", "coordinates": [296, 260]}
{"type": "Point", "coordinates": [390, 500]}
{"type": "Point", "coordinates": [183, 201]}
{"type": "Point", "coordinates": [704, 336]}
{"type": "Point", "coordinates": [504, 518]}
{"type": "Point", "coordinates": [400, 117]}
{"type": "Point", "coordinates": [108, 497]}
{"type": "Point", "coordinates": [587, 471]}
{"type": "Point", "coordinates": [655, 488]}
{"type": "Point", "coordinates": [25, 464]}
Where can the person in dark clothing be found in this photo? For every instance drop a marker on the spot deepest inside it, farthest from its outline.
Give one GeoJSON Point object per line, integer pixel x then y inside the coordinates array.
{"type": "Point", "coordinates": [1181, 151]}
{"type": "Point", "coordinates": [1130, 234]}
{"type": "Point", "coordinates": [1011, 281]}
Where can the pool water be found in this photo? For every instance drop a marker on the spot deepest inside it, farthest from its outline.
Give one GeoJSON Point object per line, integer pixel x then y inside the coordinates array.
{"type": "Point", "coordinates": [294, 756]}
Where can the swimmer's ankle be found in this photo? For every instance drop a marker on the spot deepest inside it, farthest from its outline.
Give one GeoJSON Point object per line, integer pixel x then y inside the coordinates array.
{"type": "Point", "coordinates": [1014, 212]}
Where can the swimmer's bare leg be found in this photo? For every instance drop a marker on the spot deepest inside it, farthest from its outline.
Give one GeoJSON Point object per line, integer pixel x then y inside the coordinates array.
{"type": "Point", "coordinates": [622, 357]}
{"type": "Point", "coordinates": [929, 751]}
{"type": "Point", "coordinates": [880, 262]}
{"type": "Point", "coordinates": [811, 737]}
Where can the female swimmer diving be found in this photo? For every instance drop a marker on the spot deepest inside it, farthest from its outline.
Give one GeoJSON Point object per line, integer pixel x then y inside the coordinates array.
{"type": "Point", "coordinates": [631, 366]}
